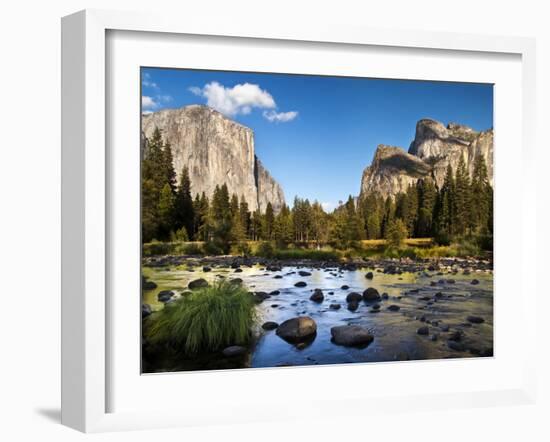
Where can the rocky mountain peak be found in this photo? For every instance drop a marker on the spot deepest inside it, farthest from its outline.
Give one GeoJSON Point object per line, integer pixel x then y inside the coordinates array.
{"type": "Point", "coordinates": [435, 146]}
{"type": "Point", "coordinates": [216, 150]}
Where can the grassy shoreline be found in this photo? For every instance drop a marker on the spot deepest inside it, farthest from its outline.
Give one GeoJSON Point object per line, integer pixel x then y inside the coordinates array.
{"type": "Point", "coordinates": [413, 248]}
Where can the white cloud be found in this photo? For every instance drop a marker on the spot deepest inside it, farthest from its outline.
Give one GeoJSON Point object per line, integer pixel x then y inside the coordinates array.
{"type": "Point", "coordinates": [146, 112]}
{"type": "Point", "coordinates": [279, 117]}
{"type": "Point", "coordinates": [195, 90]}
{"type": "Point", "coordinates": [147, 82]}
{"type": "Point", "coordinates": [148, 102]}
{"type": "Point", "coordinates": [329, 206]}
{"type": "Point", "coordinates": [239, 99]}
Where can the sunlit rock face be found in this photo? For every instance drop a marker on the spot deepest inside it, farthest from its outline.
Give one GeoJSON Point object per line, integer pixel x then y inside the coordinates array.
{"type": "Point", "coordinates": [216, 150]}
{"type": "Point", "coordinates": [432, 150]}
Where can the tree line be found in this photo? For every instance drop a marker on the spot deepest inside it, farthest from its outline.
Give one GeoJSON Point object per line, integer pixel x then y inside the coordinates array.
{"type": "Point", "coordinates": [462, 206]}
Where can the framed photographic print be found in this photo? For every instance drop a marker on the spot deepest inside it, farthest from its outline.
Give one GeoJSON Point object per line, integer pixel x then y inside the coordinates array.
{"type": "Point", "coordinates": [272, 211]}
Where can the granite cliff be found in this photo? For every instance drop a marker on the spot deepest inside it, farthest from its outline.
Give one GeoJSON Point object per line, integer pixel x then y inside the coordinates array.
{"type": "Point", "coordinates": [216, 150]}
{"type": "Point", "coordinates": [434, 147]}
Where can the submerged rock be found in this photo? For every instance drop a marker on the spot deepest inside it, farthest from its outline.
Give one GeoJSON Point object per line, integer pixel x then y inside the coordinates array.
{"type": "Point", "coordinates": [425, 330]}
{"type": "Point", "coordinates": [300, 284]}
{"type": "Point", "coordinates": [270, 325]}
{"type": "Point", "coordinates": [475, 319]}
{"type": "Point", "coordinates": [165, 295]}
{"type": "Point", "coordinates": [371, 295]}
{"type": "Point", "coordinates": [198, 284]}
{"type": "Point", "coordinates": [335, 306]}
{"type": "Point", "coordinates": [234, 350]}
{"type": "Point", "coordinates": [351, 336]}
{"type": "Point", "coordinates": [354, 297]}
{"type": "Point", "coordinates": [304, 273]}
{"type": "Point", "coordinates": [317, 296]}
{"type": "Point", "coordinates": [455, 345]}
{"type": "Point", "coordinates": [145, 310]}
{"type": "Point", "coordinates": [393, 308]}
{"type": "Point", "coordinates": [298, 329]}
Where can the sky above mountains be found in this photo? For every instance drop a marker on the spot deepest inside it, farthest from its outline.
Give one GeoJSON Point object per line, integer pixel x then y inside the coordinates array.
{"type": "Point", "coordinates": [317, 134]}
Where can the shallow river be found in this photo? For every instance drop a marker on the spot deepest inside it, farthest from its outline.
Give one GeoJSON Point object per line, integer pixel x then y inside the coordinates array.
{"type": "Point", "coordinates": [395, 332]}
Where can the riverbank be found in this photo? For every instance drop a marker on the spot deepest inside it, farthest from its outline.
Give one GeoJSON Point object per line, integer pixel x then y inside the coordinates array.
{"type": "Point", "coordinates": [412, 309]}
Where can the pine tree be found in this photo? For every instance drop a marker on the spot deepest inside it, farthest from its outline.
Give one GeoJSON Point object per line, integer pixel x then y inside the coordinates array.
{"type": "Point", "coordinates": [283, 231]}
{"type": "Point", "coordinates": [462, 199]}
{"type": "Point", "coordinates": [269, 220]}
{"type": "Point", "coordinates": [445, 205]}
{"type": "Point", "coordinates": [168, 167]}
{"type": "Point", "coordinates": [256, 226]}
{"type": "Point", "coordinates": [204, 228]}
{"type": "Point", "coordinates": [220, 218]}
{"type": "Point", "coordinates": [319, 224]}
{"type": "Point", "coordinates": [166, 212]}
{"type": "Point", "coordinates": [245, 216]}
{"type": "Point", "coordinates": [388, 216]}
{"type": "Point", "coordinates": [481, 194]}
{"type": "Point", "coordinates": [184, 210]}
{"type": "Point", "coordinates": [427, 195]}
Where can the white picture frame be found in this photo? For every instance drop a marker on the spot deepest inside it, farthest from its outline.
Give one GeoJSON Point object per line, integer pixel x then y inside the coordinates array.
{"type": "Point", "coordinates": [85, 198]}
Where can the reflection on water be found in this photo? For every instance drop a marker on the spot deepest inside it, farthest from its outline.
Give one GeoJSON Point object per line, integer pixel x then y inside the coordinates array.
{"type": "Point", "coordinates": [395, 332]}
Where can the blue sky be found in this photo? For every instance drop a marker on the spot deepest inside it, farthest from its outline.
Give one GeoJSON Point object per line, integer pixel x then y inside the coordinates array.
{"type": "Point", "coordinates": [317, 134]}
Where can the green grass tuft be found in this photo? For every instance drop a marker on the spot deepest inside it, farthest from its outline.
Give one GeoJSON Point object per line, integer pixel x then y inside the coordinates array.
{"type": "Point", "coordinates": [205, 320]}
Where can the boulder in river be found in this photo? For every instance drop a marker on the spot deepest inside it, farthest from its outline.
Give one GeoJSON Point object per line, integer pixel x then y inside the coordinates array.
{"type": "Point", "coordinates": [198, 284]}
{"type": "Point", "coordinates": [145, 310]}
{"type": "Point", "coordinates": [345, 287]}
{"type": "Point", "coordinates": [475, 282]}
{"type": "Point", "coordinates": [206, 269]}
{"type": "Point", "coordinates": [455, 345]}
{"type": "Point", "coordinates": [353, 305]}
{"type": "Point", "coordinates": [354, 297]}
{"type": "Point", "coordinates": [335, 306]}
{"type": "Point", "coordinates": [425, 330]}
{"type": "Point", "coordinates": [298, 329]}
{"type": "Point", "coordinates": [304, 273]}
{"type": "Point", "coordinates": [351, 336]}
{"type": "Point", "coordinates": [148, 285]}
{"type": "Point", "coordinates": [369, 275]}
{"type": "Point", "coordinates": [300, 284]}
{"type": "Point", "coordinates": [259, 297]}
{"type": "Point", "coordinates": [270, 325]}
{"type": "Point", "coordinates": [475, 319]}
{"type": "Point", "coordinates": [234, 350]}
{"type": "Point", "coordinates": [165, 295]}
{"type": "Point", "coordinates": [393, 308]}
{"type": "Point", "coordinates": [371, 295]}
{"type": "Point", "coordinates": [317, 296]}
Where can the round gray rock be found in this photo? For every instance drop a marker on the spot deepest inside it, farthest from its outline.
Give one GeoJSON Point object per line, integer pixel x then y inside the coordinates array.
{"type": "Point", "coordinates": [298, 329]}
{"type": "Point", "coordinates": [351, 336]}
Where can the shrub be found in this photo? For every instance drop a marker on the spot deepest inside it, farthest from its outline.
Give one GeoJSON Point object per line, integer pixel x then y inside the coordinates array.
{"type": "Point", "coordinates": [191, 249]}
{"type": "Point", "coordinates": [318, 255]}
{"type": "Point", "coordinates": [396, 233]}
{"type": "Point", "coordinates": [206, 320]}
{"type": "Point", "coordinates": [211, 248]}
{"type": "Point", "coordinates": [179, 235]}
{"type": "Point", "coordinates": [157, 248]}
{"type": "Point", "coordinates": [265, 249]}
{"type": "Point", "coordinates": [442, 238]}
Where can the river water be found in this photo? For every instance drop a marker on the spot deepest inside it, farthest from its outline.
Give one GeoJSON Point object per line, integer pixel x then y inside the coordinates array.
{"type": "Point", "coordinates": [395, 332]}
